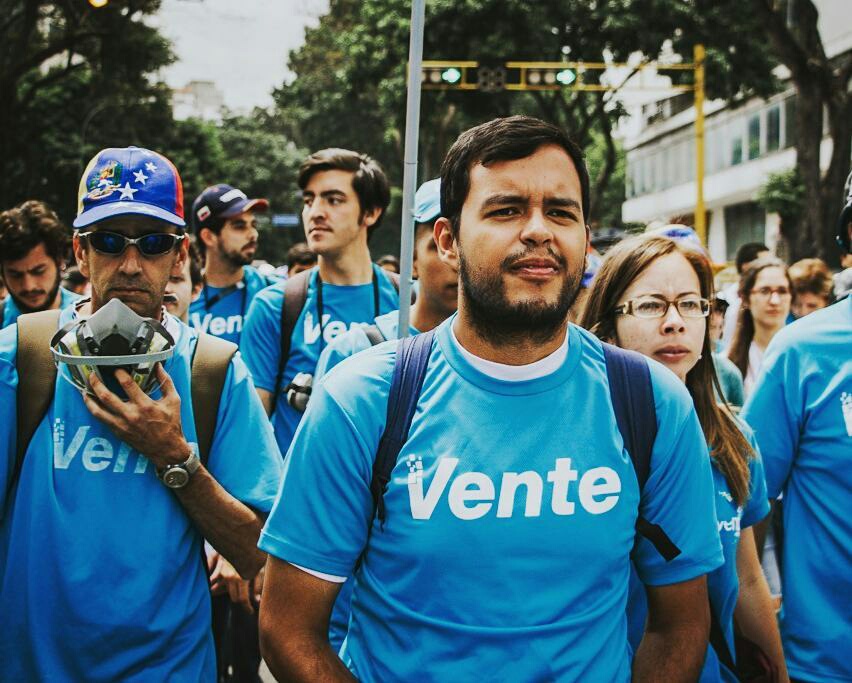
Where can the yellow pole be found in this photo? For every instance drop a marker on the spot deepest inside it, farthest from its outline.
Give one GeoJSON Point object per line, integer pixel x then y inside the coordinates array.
{"type": "Point", "coordinates": [700, 213]}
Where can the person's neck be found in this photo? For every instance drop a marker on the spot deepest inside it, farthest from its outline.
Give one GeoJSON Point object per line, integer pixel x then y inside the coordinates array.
{"type": "Point", "coordinates": [57, 300]}
{"type": "Point", "coordinates": [520, 350]}
{"type": "Point", "coordinates": [763, 334]}
{"type": "Point", "coordinates": [424, 317]}
{"type": "Point", "coordinates": [220, 273]}
{"type": "Point", "coordinates": [349, 267]}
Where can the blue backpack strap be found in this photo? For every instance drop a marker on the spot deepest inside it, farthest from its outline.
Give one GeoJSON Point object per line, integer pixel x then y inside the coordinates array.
{"type": "Point", "coordinates": [412, 357]}
{"type": "Point", "coordinates": [636, 416]}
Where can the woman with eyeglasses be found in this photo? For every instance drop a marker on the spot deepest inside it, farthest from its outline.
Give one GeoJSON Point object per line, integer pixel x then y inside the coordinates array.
{"type": "Point", "coordinates": [652, 295]}
{"type": "Point", "coordinates": [766, 292]}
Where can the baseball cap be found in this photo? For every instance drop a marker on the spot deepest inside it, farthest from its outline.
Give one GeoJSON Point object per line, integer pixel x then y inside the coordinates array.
{"type": "Point", "coordinates": [123, 181]}
{"type": "Point", "coordinates": [427, 201]}
{"type": "Point", "coordinates": [222, 201]}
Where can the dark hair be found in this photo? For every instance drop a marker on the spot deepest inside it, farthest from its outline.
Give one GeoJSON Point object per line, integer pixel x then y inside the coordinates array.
{"type": "Point", "coordinates": [811, 276]}
{"type": "Point", "coordinates": [747, 253]}
{"type": "Point", "coordinates": [506, 139]}
{"type": "Point", "coordinates": [300, 254]}
{"type": "Point", "coordinates": [368, 180]}
{"type": "Point", "coordinates": [195, 263]}
{"type": "Point", "coordinates": [28, 225]}
{"type": "Point", "coordinates": [744, 331]}
{"type": "Point", "coordinates": [622, 264]}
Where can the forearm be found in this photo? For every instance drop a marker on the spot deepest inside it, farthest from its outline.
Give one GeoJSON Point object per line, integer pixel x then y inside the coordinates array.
{"type": "Point", "coordinates": [755, 616]}
{"type": "Point", "coordinates": [230, 526]}
{"type": "Point", "coordinates": [305, 658]}
{"type": "Point", "coordinates": [670, 657]}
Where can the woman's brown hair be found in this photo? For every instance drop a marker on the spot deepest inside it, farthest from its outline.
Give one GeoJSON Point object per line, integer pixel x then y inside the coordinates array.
{"type": "Point", "coordinates": [744, 331]}
{"type": "Point", "coordinates": [621, 266]}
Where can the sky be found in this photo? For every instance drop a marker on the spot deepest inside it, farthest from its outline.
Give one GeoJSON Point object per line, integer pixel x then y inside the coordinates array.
{"type": "Point", "coordinates": [241, 46]}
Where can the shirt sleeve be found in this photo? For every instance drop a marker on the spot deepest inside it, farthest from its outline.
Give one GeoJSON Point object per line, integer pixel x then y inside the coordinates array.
{"type": "Point", "coordinates": [244, 457]}
{"type": "Point", "coordinates": [260, 342]}
{"type": "Point", "coordinates": [8, 397]}
{"type": "Point", "coordinates": [774, 417]}
{"type": "Point", "coordinates": [339, 349]}
{"type": "Point", "coordinates": [678, 495]}
{"type": "Point", "coordinates": [323, 511]}
{"type": "Point", "coordinates": [757, 506]}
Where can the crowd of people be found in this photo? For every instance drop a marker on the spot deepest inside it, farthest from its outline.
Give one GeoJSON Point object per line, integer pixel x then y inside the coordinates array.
{"type": "Point", "coordinates": [573, 466]}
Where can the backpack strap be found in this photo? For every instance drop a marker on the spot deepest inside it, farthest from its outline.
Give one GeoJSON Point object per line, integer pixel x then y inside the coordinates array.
{"type": "Point", "coordinates": [409, 371]}
{"type": "Point", "coordinates": [210, 361]}
{"type": "Point", "coordinates": [374, 334]}
{"type": "Point", "coordinates": [636, 415]}
{"type": "Point", "coordinates": [36, 379]}
{"type": "Point", "coordinates": [295, 295]}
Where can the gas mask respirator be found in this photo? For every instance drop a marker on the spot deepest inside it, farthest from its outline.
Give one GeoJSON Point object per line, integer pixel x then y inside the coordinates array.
{"type": "Point", "coordinates": [113, 337]}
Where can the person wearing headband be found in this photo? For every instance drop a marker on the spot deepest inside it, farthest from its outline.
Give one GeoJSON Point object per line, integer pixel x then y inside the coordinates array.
{"type": "Point", "coordinates": [106, 509]}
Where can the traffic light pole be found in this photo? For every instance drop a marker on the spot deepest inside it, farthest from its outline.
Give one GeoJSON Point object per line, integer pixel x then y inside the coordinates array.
{"type": "Point", "coordinates": [409, 179]}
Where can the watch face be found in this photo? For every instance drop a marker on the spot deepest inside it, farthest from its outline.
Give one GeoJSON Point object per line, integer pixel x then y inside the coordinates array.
{"type": "Point", "coordinates": [176, 478]}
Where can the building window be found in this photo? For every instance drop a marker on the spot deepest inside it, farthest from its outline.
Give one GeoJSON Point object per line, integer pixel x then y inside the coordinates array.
{"type": "Point", "coordinates": [790, 121]}
{"type": "Point", "coordinates": [773, 128]}
{"type": "Point", "coordinates": [736, 132]}
{"type": "Point", "coordinates": [744, 223]}
{"type": "Point", "coordinates": [754, 136]}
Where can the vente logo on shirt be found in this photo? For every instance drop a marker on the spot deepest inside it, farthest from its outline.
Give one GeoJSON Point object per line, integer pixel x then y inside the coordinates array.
{"type": "Point", "coordinates": [329, 328]}
{"type": "Point", "coordinates": [218, 325]}
{"type": "Point", "coordinates": [473, 495]}
{"type": "Point", "coordinates": [95, 453]}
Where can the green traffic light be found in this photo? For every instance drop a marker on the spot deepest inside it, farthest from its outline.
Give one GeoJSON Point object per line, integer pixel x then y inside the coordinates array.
{"type": "Point", "coordinates": [566, 76]}
{"type": "Point", "coordinates": [451, 76]}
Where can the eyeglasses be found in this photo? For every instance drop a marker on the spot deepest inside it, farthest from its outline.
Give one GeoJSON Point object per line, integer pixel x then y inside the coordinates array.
{"type": "Point", "coordinates": [114, 244]}
{"type": "Point", "coordinates": [652, 307]}
{"type": "Point", "coordinates": [766, 292]}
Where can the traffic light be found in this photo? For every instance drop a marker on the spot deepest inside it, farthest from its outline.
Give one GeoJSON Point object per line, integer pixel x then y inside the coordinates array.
{"type": "Point", "coordinates": [491, 78]}
{"type": "Point", "coordinates": [542, 75]}
{"type": "Point", "coordinates": [448, 75]}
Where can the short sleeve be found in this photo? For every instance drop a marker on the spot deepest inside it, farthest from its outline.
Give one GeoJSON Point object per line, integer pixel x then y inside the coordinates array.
{"type": "Point", "coordinates": [757, 506]}
{"type": "Point", "coordinates": [260, 343]}
{"type": "Point", "coordinates": [774, 419]}
{"type": "Point", "coordinates": [678, 495]}
{"type": "Point", "coordinates": [322, 514]}
{"type": "Point", "coordinates": [340, 348]}
{"type": "Point", "coordinates": [8, 397]}
{"type": "Point", "coordinates": [244, 457]}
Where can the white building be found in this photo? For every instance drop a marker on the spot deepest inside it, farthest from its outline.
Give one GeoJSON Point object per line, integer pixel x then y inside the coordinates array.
{"type": "Point", "coordinates": [198, 99]}
{"type": "Point", "coordinates": [743, 146]}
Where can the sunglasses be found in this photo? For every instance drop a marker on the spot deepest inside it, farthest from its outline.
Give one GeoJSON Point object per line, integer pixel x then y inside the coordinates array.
{"type": "Point", "coordinates": [114, 244]}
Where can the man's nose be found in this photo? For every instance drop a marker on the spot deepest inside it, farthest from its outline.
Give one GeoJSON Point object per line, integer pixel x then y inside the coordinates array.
{"type": "Point", "coordinates": [536, 229]}
{"type": "Point", "coordinates": [131, 260]}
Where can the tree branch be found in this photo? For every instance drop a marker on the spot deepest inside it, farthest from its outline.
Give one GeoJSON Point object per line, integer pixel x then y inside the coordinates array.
{"type": "Point", "coordinates": [784, 42]}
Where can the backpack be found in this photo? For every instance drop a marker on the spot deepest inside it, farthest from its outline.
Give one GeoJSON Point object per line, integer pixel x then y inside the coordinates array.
{"type": "Point", "coordinates": [635, 414]}
{"type": "Point", "coordinates": [37, 379]}
{"type": "Point", "coordinates": [295, 296]}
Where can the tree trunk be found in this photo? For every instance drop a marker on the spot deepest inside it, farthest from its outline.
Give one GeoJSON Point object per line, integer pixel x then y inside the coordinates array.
{"type": "Point", "coordinates": [808, 139]}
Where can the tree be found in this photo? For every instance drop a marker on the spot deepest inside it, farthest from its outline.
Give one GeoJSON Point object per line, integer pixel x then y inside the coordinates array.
{"type": "Point", "coordinates": [821, 84]}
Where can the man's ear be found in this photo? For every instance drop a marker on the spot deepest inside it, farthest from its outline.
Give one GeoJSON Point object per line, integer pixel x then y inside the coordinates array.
{"type": "Point", "coordinates": [370, 217]}
{"type": "Point", "coordinates": [207, 236]}
{"type": "Point", "coordinates": [81, 255]}
{"type": "Point", "coordinates": [446, 243]}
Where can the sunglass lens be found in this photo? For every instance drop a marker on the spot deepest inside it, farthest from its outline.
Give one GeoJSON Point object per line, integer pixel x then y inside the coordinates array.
{"type": "Point", "coordinates": [107, 242]}
{"type": "Point", "coordinates": [156, 243]}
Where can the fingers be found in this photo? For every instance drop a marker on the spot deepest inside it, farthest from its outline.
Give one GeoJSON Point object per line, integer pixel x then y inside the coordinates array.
{"type": "Point", "coordinates": [97, 411]}
{"type": "Point", "coordinates": [134, 393]}
{"type": "Point", "coordinates": [167, 387]}
{"type": "Point", "coordinates": [105, 397]}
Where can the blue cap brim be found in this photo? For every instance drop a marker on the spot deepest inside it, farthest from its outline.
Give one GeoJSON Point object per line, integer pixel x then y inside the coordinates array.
{"type": "Point", "coordinates": [113, 209]}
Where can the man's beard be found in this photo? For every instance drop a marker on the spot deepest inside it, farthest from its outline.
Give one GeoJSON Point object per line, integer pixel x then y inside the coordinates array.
{"type": "Point", "coordinates": [51, 297]}
{"type": "Point", "coordinates": [498, 320]}
{"type": "Point", "coordinates": [237, 258]}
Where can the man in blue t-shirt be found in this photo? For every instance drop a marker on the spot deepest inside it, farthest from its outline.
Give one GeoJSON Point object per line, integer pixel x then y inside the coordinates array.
{"type": "Point", "coordinates": [224, 222]}
{"type": "Point", "coordinates": [345, 197]}
{"type": "Point", "coordinates": [801, 413]}
{"type": "Point", "coordinates": [510, 514]}
{"type": "Point", "coordinates": [101, 529]}
{"type": "Point", "coordinates": [34, 245]}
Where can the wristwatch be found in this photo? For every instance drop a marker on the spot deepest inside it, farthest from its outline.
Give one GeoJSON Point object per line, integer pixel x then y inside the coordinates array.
{"type": "Point", "coordinates": [177, 476]}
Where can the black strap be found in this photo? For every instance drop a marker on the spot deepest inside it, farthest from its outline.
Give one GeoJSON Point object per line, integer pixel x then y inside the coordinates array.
{"type": "Point", "coordinates": [374, 334]}
{"type": "Point", "coordinates": [409, 371]}
{"type": "Point", "coordinates": [636, 416]}
{"type": "Point", "coordinates": [295, 295]}
{"type": "Point", "coordinates": [225, 292]}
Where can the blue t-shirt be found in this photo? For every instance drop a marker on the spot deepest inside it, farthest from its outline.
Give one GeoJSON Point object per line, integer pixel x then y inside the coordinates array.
{"type": "Point", "coordinates": [348, 344]}
{"type": "Point", "coordinates": [101, 574]}
{"type": "Point", "coordinates": [11, 310]}
{"type": "Point", "coordinates": [505, 554]}
{"type": "Point", "coordinates": [221, 311]}
{"type": "Point", "coordinates": [343, 307]}
{"type": "Point", "coordinates": [722, 583]}
{"type": "Point", "coordinates": [801, 413]}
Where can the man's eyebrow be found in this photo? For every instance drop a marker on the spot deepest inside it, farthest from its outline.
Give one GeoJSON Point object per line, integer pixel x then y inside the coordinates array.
{"type": "Point", "coordinates": [333, 193]}
{"type": "Point", "coordinates": [563, 202]}
{"type": "Point", "coordinates": [503, 199]}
